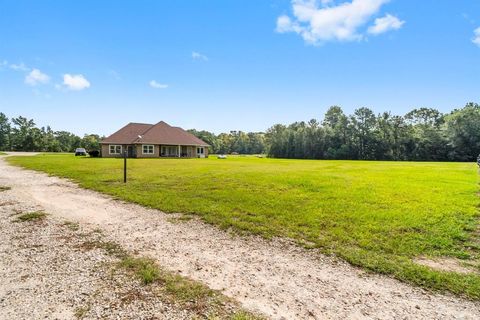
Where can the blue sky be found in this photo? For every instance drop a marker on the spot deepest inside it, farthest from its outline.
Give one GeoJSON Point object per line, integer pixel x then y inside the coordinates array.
{"type": "Point", "coordinates": [220, 65]}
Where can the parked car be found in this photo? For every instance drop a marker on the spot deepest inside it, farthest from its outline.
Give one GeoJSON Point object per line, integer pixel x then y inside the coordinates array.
{"type": "Point", "coordinates": [80, 152]}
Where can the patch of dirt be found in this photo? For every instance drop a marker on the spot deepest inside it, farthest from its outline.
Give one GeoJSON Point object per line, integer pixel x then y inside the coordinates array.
{"type": "Point", "coordinates": [51, 271]}
{"type": "Point", "coordinates": [277, 278]}
{"type": "Point", "coordinates": [7, 203]}
{"type": "Point", "coordinates": [446, 264]}
{"type": "Point", "coordinates": [46, 277]}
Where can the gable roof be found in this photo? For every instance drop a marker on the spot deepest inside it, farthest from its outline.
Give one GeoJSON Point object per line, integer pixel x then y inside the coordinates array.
{"type": "Point", "coordinates": [160, 133]}
{"type": "Point", "coordinates": [128, 133]}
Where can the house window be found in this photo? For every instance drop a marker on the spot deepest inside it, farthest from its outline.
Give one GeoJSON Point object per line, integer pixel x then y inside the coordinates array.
{"type": "Point", "coordinates": [148, 149]}
{"type": "Point", "coordinates": [199, 150]}
{"type": "Point", "coordinates": [169, 151]}
{"type": "Point", "coordinates": [115, 149]}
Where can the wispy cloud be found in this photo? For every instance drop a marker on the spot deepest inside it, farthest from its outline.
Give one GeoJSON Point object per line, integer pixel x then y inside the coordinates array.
{"type": "Point", "coordinates": [156, 85]}
{"type": "Point", "coordinates": [467, 17]}
{"type": "Point", "coordinates": [384, 24]}
{"type": "Point", "coordinates": [199, 56]}
{"type": "Point", "coordinates": [114, 74]}
{"type": "Point", "coordinates": [75, 82]}
{"type": "Point", "coordinates": [36, 77]}
{"type": "Point", "coordinates": [19, 67]}
{"type": "Point", "coordinates": [39, 93]}
{"type": "Point", "coordinates": [318, 22]}
{"type": "Point", "coordinates": [476, 38]}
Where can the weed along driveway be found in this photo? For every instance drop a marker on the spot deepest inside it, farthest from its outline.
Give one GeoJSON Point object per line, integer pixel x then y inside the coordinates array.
{"type": "Point", "coordinates": [277, 277]}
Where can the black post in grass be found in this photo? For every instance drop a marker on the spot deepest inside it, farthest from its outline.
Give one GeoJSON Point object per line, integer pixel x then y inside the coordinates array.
{"type": "Point", "coordinates": [125, 166]}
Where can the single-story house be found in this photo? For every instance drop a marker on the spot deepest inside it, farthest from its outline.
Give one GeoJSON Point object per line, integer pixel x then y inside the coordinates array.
{"type": "Point", "coordinates": [141, 140]}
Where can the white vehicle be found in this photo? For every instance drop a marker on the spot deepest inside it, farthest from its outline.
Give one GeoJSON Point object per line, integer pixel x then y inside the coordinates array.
{"type": "Point", "coordinates": [80, 152]}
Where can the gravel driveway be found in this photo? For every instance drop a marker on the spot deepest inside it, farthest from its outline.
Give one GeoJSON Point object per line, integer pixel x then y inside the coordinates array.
{"type": "Point", "coordinates": [47, 272]}
{"type": "Point", "coordinates": [273, 277]}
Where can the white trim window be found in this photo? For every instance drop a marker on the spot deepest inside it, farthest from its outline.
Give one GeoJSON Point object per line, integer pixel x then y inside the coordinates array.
{"type": "Point", "coordinates": [115, 149]}
{"type": "Point", "coordinates": [169, 151]}
{"type": "Point", "coordinates": [148, 149]}
{"type": "Point", "coordinates": [200, 150]}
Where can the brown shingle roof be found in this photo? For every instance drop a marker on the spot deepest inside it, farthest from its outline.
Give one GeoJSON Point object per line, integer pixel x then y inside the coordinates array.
{"type": "Point", "coordinates": [160, 133]}
{"type": "Point", "coordinates": [128, 134]}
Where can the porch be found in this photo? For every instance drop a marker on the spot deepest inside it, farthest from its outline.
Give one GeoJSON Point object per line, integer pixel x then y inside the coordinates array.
{"type": "Point", "coordinates": [172, 151]}
{"type": "Point", "coordinates": [154, 151]}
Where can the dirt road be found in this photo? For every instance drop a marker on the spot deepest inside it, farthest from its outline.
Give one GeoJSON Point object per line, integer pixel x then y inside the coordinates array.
{"type": "Point", "coordinates": [50, 269]}
{"type": "Point", "coordinates": [273, 277]}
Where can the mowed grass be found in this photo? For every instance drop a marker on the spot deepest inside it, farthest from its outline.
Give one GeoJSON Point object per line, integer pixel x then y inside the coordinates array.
{"type": "Point", "coordinates": [377, 215]}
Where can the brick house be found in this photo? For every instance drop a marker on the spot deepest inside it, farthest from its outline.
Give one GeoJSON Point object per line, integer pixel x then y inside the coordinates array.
{"type": "Point", "coordinates": [141, 140]}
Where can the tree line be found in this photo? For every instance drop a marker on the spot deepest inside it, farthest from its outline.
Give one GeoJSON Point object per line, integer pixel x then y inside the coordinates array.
{"type": "Point", "coordinates": [22, 134]}
{"type": "Point", "coordinates": [423, 134]}
{"type": "Point", "coordinates": [234, 142]}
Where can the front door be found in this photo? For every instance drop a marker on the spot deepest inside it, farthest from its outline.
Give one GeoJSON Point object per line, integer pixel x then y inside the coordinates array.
{"type": "Point", "coordinates": [131, 151]}
{"type": "Point", "coordinates": [200, 152]}
{"type": "Point", "coordinates": [185, 152]}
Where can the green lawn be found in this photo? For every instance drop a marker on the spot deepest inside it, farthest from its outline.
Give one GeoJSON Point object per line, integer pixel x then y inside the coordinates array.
{"type": "Point", "coordinates": [377, 215]}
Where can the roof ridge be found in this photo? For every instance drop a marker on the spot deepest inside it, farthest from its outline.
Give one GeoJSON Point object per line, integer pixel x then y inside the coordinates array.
{"type": "Point", "coordinates": [149, 124]}
{"type": "Point", "coordinates": [143, 133]}
{"type": "Point", "coordinates": [160, 133]}
{"type": "Point", "coordinates": [127, 133]}
{"type": "Point", "coordinates": [161, 121]}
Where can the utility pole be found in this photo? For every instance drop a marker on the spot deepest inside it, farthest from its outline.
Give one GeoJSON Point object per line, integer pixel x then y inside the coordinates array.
{"type": "Point", "coordinates": [125, 166]}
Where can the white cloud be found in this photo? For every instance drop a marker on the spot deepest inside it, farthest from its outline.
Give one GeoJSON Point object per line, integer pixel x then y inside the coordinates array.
{"type": "Point", "coordinates": [476, 38]}
{"type": "Point", "coordinates": [385, 24]}
{"type": "Point", "coordinates": [36, 77]}
{"type": "Point", "coordinates": [199, 56]}
{"type": "Point", "coordinates": [75, 82]}
{"type": "Point", "coordinates": [319, 22]}
{"type": "Point", "coordinates": [156, 85]}
{"type": "Point", "coordinates": [284, 24]}
{"type": "Point", "coordinates": [19, 67]}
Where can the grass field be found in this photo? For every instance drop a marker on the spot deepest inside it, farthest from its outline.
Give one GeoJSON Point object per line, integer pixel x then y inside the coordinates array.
{"type": "Point", "coordinates": [377, 215]}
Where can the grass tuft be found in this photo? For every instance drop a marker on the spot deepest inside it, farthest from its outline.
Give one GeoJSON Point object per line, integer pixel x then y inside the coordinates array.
{"type": "Point", "coordinates": [111, 248]}
{"type": "Point", "coordinates": [244, 316]}
{"type": "Point", "coordinates": [4, 188]}
{"type": "Point", "coordinates": [74, 226]}
{"type": "Point", "coordinates": [31, 216]}
{"type": "Point", "coordinates": [81, 312]}
{"type": "Point", "coordinates": [144, 268]}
